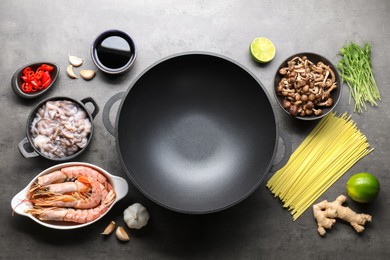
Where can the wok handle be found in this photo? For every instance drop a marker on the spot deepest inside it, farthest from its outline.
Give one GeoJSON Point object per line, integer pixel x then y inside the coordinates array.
{"type": "Point", "coordinates": [106, 112]}
{"type": "Point", "coordinates": [287, 151]}
{"type": "Point", "coordinates": [23, 150]}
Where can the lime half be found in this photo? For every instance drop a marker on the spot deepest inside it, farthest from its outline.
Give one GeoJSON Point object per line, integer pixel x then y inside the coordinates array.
{"type": "Point", "coordinates": [363, 187]}
{"type": "Point", "coordinates": [262, 50]}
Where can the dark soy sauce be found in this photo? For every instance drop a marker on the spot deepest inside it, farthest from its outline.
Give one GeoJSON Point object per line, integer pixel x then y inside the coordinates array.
{"type": "Point", "coordinates": [114, 52]}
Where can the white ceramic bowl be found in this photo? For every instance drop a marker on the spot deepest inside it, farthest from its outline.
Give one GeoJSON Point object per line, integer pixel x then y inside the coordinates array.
{"type": "Point", "coordinates": [20, 205]}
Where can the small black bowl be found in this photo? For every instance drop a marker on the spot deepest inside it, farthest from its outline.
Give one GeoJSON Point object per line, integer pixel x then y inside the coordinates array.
{"type": "Point", "coordinates": [26, 146]}
{"type": "Point", "coordinates": [113, 52]}
{"type": "Point", "coordinates": [17, 81]}
{"type": "Point", "coordinates": [315, 58]}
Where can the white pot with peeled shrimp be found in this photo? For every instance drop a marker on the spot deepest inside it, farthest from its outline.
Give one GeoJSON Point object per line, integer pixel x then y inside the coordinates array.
{"type": "Point", "coordinates": [69, 195]}
{"type": "Point", "coordinates": [59, 129]}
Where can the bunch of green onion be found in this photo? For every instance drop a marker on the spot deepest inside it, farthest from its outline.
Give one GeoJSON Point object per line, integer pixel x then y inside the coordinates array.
{"type": "Point", "coordinates": [355, 69]}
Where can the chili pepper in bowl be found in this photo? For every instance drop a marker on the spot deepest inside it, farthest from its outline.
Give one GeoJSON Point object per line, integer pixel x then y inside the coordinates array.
{"type": "Point", "coordinates": [34, 79]}
{"type": "Point", "coordinates": [40, 79]}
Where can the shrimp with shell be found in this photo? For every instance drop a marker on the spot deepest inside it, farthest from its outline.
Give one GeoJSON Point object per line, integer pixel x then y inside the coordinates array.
{"type": "Point", "coordinates": [74, 194]}
{"type": "Point", "coordinates": [88, 196]}
{"type": "Point", "coordinates": [69, 173]}
{"type": "Point", "coordinates": [74, 215]}
{"type": "Point", "coordinates": [78, 185]}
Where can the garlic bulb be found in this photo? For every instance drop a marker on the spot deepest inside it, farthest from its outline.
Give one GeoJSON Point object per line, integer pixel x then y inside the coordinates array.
{"type": "Point", "coordinates": [136, 216]}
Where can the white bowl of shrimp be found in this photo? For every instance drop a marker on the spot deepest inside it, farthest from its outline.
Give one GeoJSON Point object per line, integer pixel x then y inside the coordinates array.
{"type": "Point", "coordinates": [70, 195]}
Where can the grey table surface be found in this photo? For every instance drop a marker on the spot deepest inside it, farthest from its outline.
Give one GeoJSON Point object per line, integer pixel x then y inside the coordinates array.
{"type": "Point", "coordinates": [258, 227]}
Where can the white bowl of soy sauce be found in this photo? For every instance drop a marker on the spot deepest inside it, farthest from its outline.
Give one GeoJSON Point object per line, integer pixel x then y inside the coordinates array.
{"type": "Point", "coordinates": [114, 52]}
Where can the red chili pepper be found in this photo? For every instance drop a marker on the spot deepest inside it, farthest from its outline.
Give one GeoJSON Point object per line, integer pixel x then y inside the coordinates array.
{"type": "Point", "coordinates": [26, 70]}
{"type": "Point", "coordinates": [38, 80]}
{"type": "Point", "coordinates": [45, 76]}
{"type": "Point", "coordinates": [38, 75]}
{"type": "Point", "coordinates": [40, 86]}
{"type": "Point", "coordinates": [35, 83]}
{"type": "Point", "coordinates": [30, 77]}
{"type": "Point", "coordinates": [47, 83]}
{"type": "Point", "coordinates": [46, 67]}
{"type": "Point", "coordinates": [38, 69]}
{"type": "Point", "coordinates": [26, 87]}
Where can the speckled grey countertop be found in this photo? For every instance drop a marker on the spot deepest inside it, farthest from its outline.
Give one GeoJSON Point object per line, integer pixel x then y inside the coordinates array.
{"type": "Point", "coordinates": [257, 228]}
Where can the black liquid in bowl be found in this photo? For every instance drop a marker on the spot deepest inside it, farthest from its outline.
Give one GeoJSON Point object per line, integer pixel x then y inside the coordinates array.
{"type": "Point", "coordinates": [113, 52]}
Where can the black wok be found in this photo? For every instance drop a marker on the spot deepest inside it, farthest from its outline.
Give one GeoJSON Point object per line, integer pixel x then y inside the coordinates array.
{"type": "Point", "coordinates": [196, 132]}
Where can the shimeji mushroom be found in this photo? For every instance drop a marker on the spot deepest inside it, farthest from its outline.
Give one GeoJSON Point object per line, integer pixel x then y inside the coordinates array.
{"type": "Point", "coordinates": [305, 86]}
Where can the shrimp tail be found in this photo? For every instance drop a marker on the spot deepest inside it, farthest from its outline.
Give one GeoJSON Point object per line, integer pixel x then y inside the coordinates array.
{"type": "Point", "coordinates": [110, 197]}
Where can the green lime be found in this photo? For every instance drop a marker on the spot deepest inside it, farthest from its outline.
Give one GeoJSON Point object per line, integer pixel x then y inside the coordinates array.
{"type": "Point", "coordinates": [363, 187]}
{"type": "Point", "coordinates": [262, 50]}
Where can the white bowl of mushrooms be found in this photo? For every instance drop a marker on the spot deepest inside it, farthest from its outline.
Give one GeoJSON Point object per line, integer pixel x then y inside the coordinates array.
{"type": "Point", "coordinates": [307, 86]}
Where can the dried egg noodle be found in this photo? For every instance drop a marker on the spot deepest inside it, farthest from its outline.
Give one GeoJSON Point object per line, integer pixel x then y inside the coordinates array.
{"type": "Point", "coordinates": [332, 147]}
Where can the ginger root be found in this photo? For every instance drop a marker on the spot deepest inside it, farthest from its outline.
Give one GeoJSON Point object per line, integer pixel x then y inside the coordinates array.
{"type": "Point", "coordinates": [325, 213]}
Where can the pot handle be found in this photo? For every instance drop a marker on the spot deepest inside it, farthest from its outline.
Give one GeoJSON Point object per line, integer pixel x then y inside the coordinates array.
{"type": "Point", "coordinates": [95, 105]}
{"type": "Point", "coordinates": [23, 151]}
{"type": "Point", "coordinates": [106, 111]}
{"type": "Point", "coordinates": [287, 151]}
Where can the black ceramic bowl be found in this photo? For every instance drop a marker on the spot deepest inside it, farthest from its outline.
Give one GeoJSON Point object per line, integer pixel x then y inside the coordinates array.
{"type": "Point", "coordinates": [26, 146]}
{"type": "Point", "coordinates": [334, 94]}
{"type": "Point", "coordinates": [113, 52]}
{"type": "Point", "coordinates": [17, 81]}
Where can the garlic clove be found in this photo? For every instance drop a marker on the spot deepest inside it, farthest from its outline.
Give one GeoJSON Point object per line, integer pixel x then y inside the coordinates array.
{"type": "Point", "coordinates": [87, 74]}
{"type": "Point", "coordinates": [70, 72]}
{"type": "Point", "coordinates": [121, 234]}
{"type": "Point", "coordinates": [75, 61]}
{"type": "Point", "coordinates": [108, 230]}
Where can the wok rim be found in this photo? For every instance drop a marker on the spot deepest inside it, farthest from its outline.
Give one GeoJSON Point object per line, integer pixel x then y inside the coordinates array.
{"type": "Point", "coordinates": [169, 206]}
